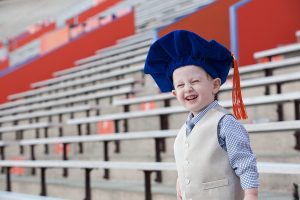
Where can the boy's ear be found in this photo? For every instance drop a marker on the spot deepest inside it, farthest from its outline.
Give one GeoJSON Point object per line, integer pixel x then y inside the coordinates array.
{"type": "Point", "coordinates": [217, 85]}
{"type": "Point", "coordinates": [174, 93]}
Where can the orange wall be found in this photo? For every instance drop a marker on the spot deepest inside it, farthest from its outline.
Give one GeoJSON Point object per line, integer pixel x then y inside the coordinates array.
{"type": "Point", "coordinates": [211, 22]}
{"type": "Point", "coordinates": [266, 24]}
{"type": "Point", "coordinates": [64, 57]}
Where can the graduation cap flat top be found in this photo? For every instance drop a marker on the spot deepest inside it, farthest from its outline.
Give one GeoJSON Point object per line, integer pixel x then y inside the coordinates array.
{"type": "Point", "coordinates": [181, 48]}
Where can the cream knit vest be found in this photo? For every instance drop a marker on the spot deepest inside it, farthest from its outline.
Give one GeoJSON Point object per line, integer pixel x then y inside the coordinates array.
{"type": "Point", "coordinates": [203, 167]}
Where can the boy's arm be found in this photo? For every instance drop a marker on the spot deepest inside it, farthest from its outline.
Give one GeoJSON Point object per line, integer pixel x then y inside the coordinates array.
{"type": "Point", "coordinates": [251, 194]}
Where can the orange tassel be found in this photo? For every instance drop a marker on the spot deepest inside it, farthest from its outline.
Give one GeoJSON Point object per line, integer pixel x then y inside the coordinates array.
{"type": "Point", "coordinates": [238, 106]}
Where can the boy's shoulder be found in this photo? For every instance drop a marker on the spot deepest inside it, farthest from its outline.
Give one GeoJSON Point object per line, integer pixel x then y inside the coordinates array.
{"type": "Point", "coordinates": [222, 110]}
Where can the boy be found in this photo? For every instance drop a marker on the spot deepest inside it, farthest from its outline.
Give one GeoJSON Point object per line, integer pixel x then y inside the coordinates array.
{"type": "Point", "coordinates": [212, 150]}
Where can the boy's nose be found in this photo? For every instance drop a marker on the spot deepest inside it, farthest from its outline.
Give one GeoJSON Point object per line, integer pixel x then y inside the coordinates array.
{"type": "Point", "coordinates": [188, 87]}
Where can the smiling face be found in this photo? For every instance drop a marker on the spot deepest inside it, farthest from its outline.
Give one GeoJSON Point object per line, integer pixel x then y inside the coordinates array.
{"type": "Point", "coordinates": [194, 88]}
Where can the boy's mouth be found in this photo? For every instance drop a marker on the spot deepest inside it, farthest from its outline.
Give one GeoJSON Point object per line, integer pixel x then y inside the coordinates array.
{"type": "Point", "coordinates": [191, 97]}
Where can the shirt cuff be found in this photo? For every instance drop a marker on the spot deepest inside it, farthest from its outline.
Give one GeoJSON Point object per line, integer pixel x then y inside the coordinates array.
{"type": "Point", "coordinates": [249, 180]}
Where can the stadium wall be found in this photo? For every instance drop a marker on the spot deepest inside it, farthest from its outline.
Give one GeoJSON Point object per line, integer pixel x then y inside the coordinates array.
{"type": "Point", "coordinates": [20, 78]}
{"type": "Point", "coordinates": [257, 25]}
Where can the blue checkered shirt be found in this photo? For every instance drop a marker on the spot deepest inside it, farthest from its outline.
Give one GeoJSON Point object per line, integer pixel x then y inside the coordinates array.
{"type": "Point", "coordinates": [234, 139]}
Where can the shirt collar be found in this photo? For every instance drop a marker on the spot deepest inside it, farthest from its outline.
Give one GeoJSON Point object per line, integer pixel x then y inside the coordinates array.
{"type": "Point", "coordinates": [199, 116]}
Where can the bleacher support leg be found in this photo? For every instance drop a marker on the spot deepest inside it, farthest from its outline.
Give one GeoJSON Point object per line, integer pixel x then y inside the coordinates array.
{"type": "Point", "coordinates": [37, 131]}
{"type": "Point", "coordinates": [297, 133]}
{"type": "Point", "coordinates": [126, 109]}
{"type": "Point", "coordinates": [158, 159]}
{"type": "Point", "coordinates": [46, 147]}
{"type": "Point", "coordinates": [268, 72]}
{"type": "Point", "coordinates": [279, 106]}
{"type": "Point", "coordinates": [8, 181]}
{"type": "Point", "coordinates": [148, 194]}
{"type": "Point", "coordinates": [43, 182]}
{"type": "Point", "coordinates": [164, 125]}
{"type": "Point", "coordinates": [60, 129]}
{"type": "Point", "coordinates": [88, 195]}
{"type": "Point", "coordinates": [106, 158]}
{"type": "Point", "coordinates": [2, 157]}
{"type": "Point", "coordinates": [65, 157]}
{"type": "Point", "coordinates": [21, 138]}
{"type": "Point", "coordinates": [32, 156]}
{"type": "Point", "coordinates": [117, 143]}
{"type": "Point", "coordinates": [98, 109]}
{"type": "Point", "coordinates": [88, 126]}
{"type": "Point", "coordinates": [79, 134]}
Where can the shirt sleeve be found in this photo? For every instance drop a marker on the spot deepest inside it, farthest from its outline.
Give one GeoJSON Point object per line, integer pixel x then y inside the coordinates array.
{"type": "Point", "coordinates": [234, 139]}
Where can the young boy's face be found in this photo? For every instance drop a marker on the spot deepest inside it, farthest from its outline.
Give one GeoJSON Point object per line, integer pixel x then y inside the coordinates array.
{"type": "Point", "coordinates": [194, 88]}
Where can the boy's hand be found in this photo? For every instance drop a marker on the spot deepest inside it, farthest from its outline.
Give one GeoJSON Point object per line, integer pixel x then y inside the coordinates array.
{"type": "Point", "coordinates": [179, 197]}
{"type": "Point", "coordinates": [251, 194]}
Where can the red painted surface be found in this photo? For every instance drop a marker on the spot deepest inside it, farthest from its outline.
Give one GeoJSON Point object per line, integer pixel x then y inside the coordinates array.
{"type": "Point", "coordinates": [3, 64]}
{"type": "Point", "coordinates": [211, 22]}
{"type": "Point", "coordinates": [147, 106]}
{"type": "Point", "coordinates": [64, 57]}
{"type": "Point", "coordinates": [261, 25]}
{"type": "Point", "coordinates": [106, 127]}
{"type": "Point", "coordinates": [266, 24]}
{"type": "Point", "coordinates": [59, 149]}
{"type": "Point", "coordinates": [16, 43]}
{"type": "Point", "coordinates": [92, 11]}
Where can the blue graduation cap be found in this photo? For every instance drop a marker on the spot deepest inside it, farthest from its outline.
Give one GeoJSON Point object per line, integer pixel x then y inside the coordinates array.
{"type": "Point", "coordinates": [181, 48]}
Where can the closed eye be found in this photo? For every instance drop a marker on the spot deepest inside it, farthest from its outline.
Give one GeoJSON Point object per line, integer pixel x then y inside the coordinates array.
{"type": "Point", "coordinates": [195, 81]}
{"type": "Point", "coordinates": [180, 85]}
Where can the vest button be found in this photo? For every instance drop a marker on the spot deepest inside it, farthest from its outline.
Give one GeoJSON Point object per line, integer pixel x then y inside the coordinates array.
{"type": "Point", "coordinates": [186, 162]}
{"type": "Point", "coordinates": [187, 181]}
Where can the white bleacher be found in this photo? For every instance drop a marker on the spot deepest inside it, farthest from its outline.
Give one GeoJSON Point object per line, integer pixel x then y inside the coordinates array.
{"type": "Point", "coordinates": [289, 62]}
{"type": "Point", "coordinates": [64, 94]}
{"type": "Point", "coordinates": [269, 127]}
{"type": "Point", "coordinates": [278, 51]}
{"type": "Point", "coordinates": [48, 113]}
{"type": "Point", "coordinates": [18, 196]}
{"type": "Point", "coordinates": [30, 127]}
{"type": "Point", "coordinates": [134, 43]}
{"type": "Point", "coordinates": [263, 167]}
{"type": "Point", "coordinates": [123, 59]}
{"type": "Point", "coordinates": [46, 105]}
{"type": "Point", "coordinates": [90, 72]}
{"type": "Point", "coordinates": [250, 101]}
{"type": "Point", "coordinates": [146, 167]}
{"type": "Point", "coordinates": [168, 16]}
{"type": "Point", "coordinates": [243, 70]}
{"type": "Point", "coordinates": [109, 59]}
{"type": "Point", "coordinates": [162, 16]}
{"type": "Point", "coordinates": [57, 96]}
{"type": "Point", "coordinates": [101, 56]}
